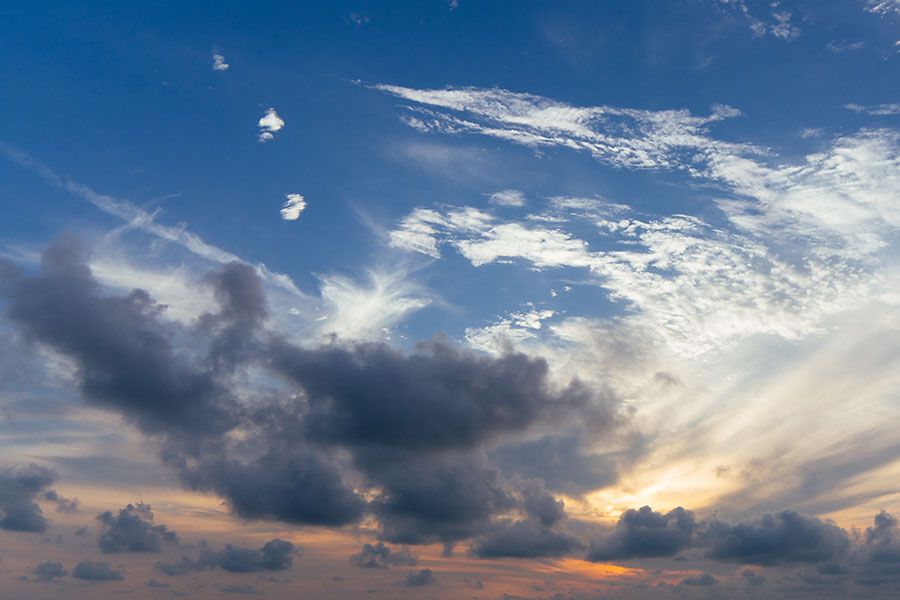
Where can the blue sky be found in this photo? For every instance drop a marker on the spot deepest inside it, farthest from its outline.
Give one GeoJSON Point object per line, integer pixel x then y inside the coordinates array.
{"type": "Point", "coordinates": [472, 281]}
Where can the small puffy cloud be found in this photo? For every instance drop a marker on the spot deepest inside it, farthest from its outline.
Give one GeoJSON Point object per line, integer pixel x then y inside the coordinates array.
{"type": "Point", "coordinates": [18, 488]}
{"type": "Point", "coordinates": [380, 556]}
{"type": "Point", "coordinates": [63, 505]}
{"type": "Point", "coordinates": [48, 571]}
{"type": "Point", "coordinates": [132, 530]}
{"type": "Point", "coordinates": [269, 123]}
{"type": "Point", "coordinates": [419, 578]}
{"type": "Point", "coordinates": [293, 206]}
{"type": "Point", "coordinates": [96, 571]}
{"type": "Point", "coordinates": [702, 580]}
{"type": "Point", "coordinates": [508, 198]}
{"type": "Point", "coordinates": [219, 63]}
{"type": "Point", "coordinates": [276, 555]}
{"type": "Point", "coordinates": [752, 578]}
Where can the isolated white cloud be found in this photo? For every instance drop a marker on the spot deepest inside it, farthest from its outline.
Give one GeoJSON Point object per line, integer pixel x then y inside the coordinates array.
{"type": "Point", "coordinates": [269, 124]}
{"type": "Point", "coordinates": [508, 198]}
{"type": "Point", "coordinates": [875, 109]}
{"type": "Point", "coordinates": [219, 63]}
{"type": "Point", "coordinates": [293, 206]}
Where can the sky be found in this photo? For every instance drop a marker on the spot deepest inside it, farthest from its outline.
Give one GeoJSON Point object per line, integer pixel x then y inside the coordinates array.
{"type": "Point", "coordinates": [450, 299]}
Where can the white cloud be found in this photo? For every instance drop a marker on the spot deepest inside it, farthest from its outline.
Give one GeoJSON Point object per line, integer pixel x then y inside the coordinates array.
{"type": "Point", "coordinates": [641, 139]}
{"type": "Point", "coordinates": [292, 207]}
{"type": "Point", "coordinates": [811, 132]}
{"type": "Point", "coordinates": [621, 137]}
{"type": "Point", "coordinates": [368, 310]}
{"type": "Point", "coordinates": [882, 7]}
{"type": "Point", "coordinates": [776, 23]}
{"type": "Point", "coordinates": [802, 241]}
{"type": "Point", "coordinates": [219, 63]}
{"type": "Point", "coordinates": [838, 47]}
{"type": "Point", "coordinates": [531, 319]}
{"type": "Point", "coordinates": [508, 198]}
{"type": "Point", "coordinates": [541, 246]}
{"type": "Point", "coordinates": [875, 109]}
{"type": "Point", "coordinates": [269, 123]}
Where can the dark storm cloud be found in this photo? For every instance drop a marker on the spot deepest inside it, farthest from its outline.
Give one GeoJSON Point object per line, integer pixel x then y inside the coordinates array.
{"type": "Point", "coordinates": [97, 571]}
{"type": "Point", "coordinates": [419, 578]}
{"type": "Point", "coordinates": [380, 556]}
{"type": "Point", "coordinates": [702, 580]}
{"type": "Point", "coordinates": [127, 359]}
{"type": "Point", "coordinates": [291, 482]}
{"type": "Point", "coordinates": [531, 536]}
{"type": "Point", "coordinates": [524, 539]}
{"type": "Point", "coordinates": [560, 461]}
{"type": "Point", "coordinates": [276, 555]}
{"type": "Point", "coordinates": [132, 530]}
{"type": "Point", "coordinates": [540, 504]}
{"type": "Point", "coordinates": [348, 429]}
{"type": "Point", "coordinates": [428, 498]}
{"type": "Point", "coordinates": [125, 355]}
{"type": "Point", "coordinates": [787, 537]}
{"type": "Point", "coordinates": [644, 533]}
{"type": "Point", "coordinates": [48, 571]}
{"type": "Point", "coordinates": [435, 398]}
{"type": "Point", "coordinates": [19, 487]}
{"type": "Point", "coordinates": [242, 311]}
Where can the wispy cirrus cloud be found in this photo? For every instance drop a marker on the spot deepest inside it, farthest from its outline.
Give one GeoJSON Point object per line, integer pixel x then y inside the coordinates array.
{"type": "Point", "coordinates": [883, 7]}
{"type": "Point", "coordinates": [875, 109]}
{"type": "Point", "coordinates": [835, 209]}
{"type": "Point", "coordinates": [622, 137]}
{"type": "Point", "coordinates": [776, 22]}
{"type": "Point", "coordinates": [137, 218]}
